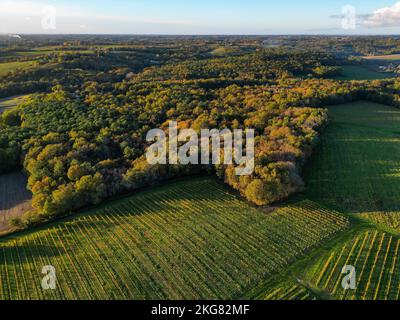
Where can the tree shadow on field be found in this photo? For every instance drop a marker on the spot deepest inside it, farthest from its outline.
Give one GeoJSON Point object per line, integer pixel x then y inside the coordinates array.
{"type": "Point", "coordinates": [356, 169]}
{"type": "Point", "coordinates": [172, 197]}
{"type": "Point", "coordinates": [26, 253]}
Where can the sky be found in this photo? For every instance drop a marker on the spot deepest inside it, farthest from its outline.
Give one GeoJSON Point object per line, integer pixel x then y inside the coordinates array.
{"type": "Point", "coordinates": [261, 17]}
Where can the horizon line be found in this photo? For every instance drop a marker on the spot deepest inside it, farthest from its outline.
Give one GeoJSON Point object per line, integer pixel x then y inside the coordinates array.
{"type": "Point", "coordinates": [202, 34]}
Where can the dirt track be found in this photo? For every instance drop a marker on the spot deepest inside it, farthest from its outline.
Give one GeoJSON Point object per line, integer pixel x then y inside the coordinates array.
{"type": "Point", "coordinates": [15, 199]}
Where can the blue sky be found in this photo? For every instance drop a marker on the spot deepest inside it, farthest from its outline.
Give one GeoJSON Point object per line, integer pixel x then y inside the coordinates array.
{"type": "Point", "coordinates": [198, 16]}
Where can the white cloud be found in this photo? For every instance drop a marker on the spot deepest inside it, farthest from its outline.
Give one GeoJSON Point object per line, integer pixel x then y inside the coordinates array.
{"type": "Point", "coordinates": [384, 17]}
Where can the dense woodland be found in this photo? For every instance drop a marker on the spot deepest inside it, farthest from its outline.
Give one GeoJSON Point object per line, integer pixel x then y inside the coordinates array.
{"type": "Point", "coordinates": [80, 137]}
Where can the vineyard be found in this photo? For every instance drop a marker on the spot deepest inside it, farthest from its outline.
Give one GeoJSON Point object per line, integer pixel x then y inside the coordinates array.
{"type": "Point", "coordinates": [191, 239]}
{"type": "Point", "coordinates": [375, 256]}
{"type": "Point", "coordinates": [356, 171]}
{"type": "Point", "coordinates": [289, 291]}
{"type": "Point", "coordinates": [357, 166]}
{"type": "Point", "coordinates": [14, 198]}
{"type": "Point", "coordinates": [385, 219]}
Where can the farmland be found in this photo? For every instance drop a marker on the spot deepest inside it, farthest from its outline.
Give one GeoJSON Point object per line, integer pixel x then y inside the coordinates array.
{"type": "Point", "coordinates": [375, 255]}
{"type": "Point", "coordinates": [364, 146]}
{"type": "Point", "coordinates": [21, 56]}
{"type": "Point", "coordinates": [390, 219]}
{"type": "Point", "coordinates": [14, 198]}
{"type": "Point", "coordinates": [191, 239]}
{"type": "Point", "coordinates": [289, 291]}
{"type": "Point", "coordinates": [7, 67]}
{"type": "Point", "coordinates": [358, 161]}
{"type": "Point", "coordinates": [355, 171]}
{"type": "Point", "coordinates": [361, 73]}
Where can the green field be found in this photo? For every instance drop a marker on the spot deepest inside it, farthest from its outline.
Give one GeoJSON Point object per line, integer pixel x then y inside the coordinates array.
{"type": "Point", "coordinates": [359, 173]}
{"type": "Point", "coordinates": [191, 239]}
{"type": "Point", "coordinates": [361, 73]}
{"type": "Point", "coordinates": [358, 165]}
{"type": "Point", "coordinates": [7, 67]}
{"type": "Point", "coordinates": [37, 53]}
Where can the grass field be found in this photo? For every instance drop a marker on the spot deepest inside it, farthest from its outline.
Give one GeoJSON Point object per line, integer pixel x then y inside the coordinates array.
{"type": "Point", "coordinates": [11, 102]}
{"type": "Point", "coordinates": [358, 165]}
{"type": "Point", "coordinates": [37, 53]}
{"type": "Point", "coordinates": [27, 54]}
{"type": "Point", "coordinates": [7, 67]}
{"type": "Point", "coordinates": [361, 73]}
{"type": "Point", "coordinates": [14, 198]}
{"type": "Point", "coordinates": [191, 239]}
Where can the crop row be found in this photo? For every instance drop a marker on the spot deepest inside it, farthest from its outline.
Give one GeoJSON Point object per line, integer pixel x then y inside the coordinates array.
{"type": "Point", "coordinates": [375, 257]}
{"type": "Point", "coordinates": [188, 240]}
